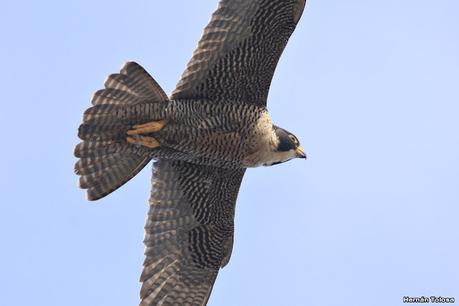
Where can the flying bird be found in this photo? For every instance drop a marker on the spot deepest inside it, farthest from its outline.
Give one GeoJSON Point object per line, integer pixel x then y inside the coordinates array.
{"type": "Point", "coordinates": [202, 138]}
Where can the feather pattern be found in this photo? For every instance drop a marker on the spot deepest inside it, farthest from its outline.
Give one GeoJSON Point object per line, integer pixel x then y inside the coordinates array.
{"type": "Point", "coordinates": [189, 231]}
{"type": "Point", "coordinates": [217, 124]}
{"type": "Point", "coordinates": [106, 160]}
{"type": "Point", "coordinates": [239, 50]}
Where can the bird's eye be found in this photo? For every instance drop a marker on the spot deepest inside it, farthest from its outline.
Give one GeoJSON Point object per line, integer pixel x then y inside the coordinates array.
{"type": "Point", "coordinates": [293, 139]}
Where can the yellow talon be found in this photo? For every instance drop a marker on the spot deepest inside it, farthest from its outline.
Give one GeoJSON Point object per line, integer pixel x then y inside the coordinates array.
{"type": "Point", "coordinates": [146, 128]}
{"type": "Point", "coordinates": [145, 141]}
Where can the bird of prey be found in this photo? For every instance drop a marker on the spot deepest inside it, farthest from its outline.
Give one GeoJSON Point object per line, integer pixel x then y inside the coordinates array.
{"type": "Point", "coordinates": [203, 137]}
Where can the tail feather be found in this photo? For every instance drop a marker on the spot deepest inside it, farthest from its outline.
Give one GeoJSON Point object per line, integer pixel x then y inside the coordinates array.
{"type": "Point", "coordinates": [142, 82]}
{"type": "Point", "coordinates": [106, 159]}
{"type": "Point", "coordinates": [100, 186]}
{"type": "Point", "coordinates": [113, 96]}
{"type": "Point", "coordinates": [106, 130]}
{"type": "Point", "coordinates": [120, 82]}
{"type": "Point", "coordinates": [96, 148]}
{"type": "Point", "coordinates": [124, 83]}
{"type": "Point", "coordinates": [88, 165]}
{"type": "Point", "coordinates": [114, 173]}
{"type": "Point", "coordinates": [120, 114]}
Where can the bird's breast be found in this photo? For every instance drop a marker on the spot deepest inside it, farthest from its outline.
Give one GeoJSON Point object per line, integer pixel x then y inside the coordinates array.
{"type": "Point", "coordinates": [263, 143]}
{"type": "Point", "coordinates": [216, 133]}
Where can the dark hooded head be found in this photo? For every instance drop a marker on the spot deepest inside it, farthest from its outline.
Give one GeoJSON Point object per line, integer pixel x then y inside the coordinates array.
{"type": "Point", "coordinates": [288, 147]}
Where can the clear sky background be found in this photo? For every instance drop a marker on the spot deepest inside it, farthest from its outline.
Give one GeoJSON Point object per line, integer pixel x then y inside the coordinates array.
{"type": "Point", "coordinates": [370, 87]}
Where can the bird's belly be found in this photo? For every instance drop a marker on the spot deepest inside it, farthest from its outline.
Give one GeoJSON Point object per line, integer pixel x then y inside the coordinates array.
{"type": "Point", "coordinates": [213, 134]}
{"type": "Point", "coordinates": [215, 148]}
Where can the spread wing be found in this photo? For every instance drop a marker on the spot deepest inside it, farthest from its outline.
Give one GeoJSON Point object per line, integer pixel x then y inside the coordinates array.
{"type": "Point", "coordinates": [239, 50]}
{"type": "Point", "coordinates": [189, 231]}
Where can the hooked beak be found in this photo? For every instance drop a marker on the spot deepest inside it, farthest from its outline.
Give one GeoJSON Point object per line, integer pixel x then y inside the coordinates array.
{"type": "Point", "coordinates": [300, 153]}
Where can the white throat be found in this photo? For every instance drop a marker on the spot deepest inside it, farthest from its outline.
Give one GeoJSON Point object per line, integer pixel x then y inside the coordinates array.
{"type": "Point", "coordinates": [267, 142]}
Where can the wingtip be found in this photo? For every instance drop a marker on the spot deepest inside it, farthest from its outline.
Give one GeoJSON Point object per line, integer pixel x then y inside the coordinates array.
{"type": "Point", "coordinates": [91, 197]}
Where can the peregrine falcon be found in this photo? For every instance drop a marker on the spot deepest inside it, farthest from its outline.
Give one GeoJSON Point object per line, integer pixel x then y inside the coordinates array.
{"type": "Point", "coordinates": [203, 137]}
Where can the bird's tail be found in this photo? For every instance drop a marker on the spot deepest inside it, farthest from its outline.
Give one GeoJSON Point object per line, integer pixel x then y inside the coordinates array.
{"type": "Point", "coordinates": [106, 159]}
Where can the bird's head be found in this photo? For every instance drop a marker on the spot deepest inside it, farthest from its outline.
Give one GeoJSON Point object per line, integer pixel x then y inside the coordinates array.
{"type": "Point", "coordinates": [288, 146]}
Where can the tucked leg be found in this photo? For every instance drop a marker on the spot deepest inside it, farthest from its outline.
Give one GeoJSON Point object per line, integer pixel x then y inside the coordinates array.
{"type": "Point", "coordinates": [146, 141]}
{"type": "Point", "coordinates": [139, 130]}
{"type": "Point", "coordinates": [146, 128]}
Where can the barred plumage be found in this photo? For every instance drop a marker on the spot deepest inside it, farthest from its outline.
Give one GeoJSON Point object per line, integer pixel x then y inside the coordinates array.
{"type": "Point", "coordinates": [214, 127]}
{"type": "Point", "coordinates": [107, 160]}
{"type": "Point", "coordinates": [189, 230]}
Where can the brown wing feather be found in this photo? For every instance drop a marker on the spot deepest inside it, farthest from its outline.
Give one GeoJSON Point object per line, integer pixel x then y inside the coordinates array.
{"type": "Point", "coordinates": [189, 231]}
{"type": "Point", "coordinates": [239, 50]}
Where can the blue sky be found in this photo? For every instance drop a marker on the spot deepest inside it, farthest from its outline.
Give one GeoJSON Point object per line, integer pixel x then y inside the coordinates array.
{"type": "Point", "coordinates": [369, 87]}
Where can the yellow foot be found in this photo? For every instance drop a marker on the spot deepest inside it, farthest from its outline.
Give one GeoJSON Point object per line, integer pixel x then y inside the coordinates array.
{"type": "Point", "coordinates": [148, 142]}
{"type": "Point", "coordinates": [146, 128]}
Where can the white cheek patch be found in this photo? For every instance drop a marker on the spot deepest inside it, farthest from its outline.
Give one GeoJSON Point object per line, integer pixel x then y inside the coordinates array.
{"type": "Point", "coordinates": [284, 156]}
{"type": "Point", "coordinates": [280, 157]}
